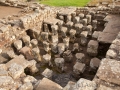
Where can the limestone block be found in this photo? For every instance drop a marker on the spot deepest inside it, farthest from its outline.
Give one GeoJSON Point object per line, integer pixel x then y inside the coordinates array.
{"type": "Point", "coordinates": [3, 73]}
{"type": "Point", "coordinates": [94, 24]}
{"type": "Point", "coordinates": [89, 29]}
{"type": "Point", "coordinates": [5, 81]}
{"type": "Point", "coordinates": [95, 35]}
{"type": "Point", "coordinates": [54, 47]}
{"type": "Point", "coordinates": [69, 86]}
{"type": "Point", "coordinates": [78, 28]}
{"type": "Point", "coordinates": [94, 63]}
{"type": "Point", "coordinates": [3, 29]}
{"type": "Point", "coordinates": [83, 39]}
{"type": "Point", "coordinates": [47, 73]}
{"type": "Point", "coordinates": [75, 48]}
{"type": "Point", "coordinates": [11, 54]}
{"type": "Point", "coordinates": [26, 40]}
{"type": "Point", "coordinates": [54, 29]}
{"type": "Point", "coordinates": [64, 31]}
{"type": "Point", "coordinates": [68, 56]}
{"type": "Point", "coordinates": [92, 48]}
{"type": "Point", "coordinates": [15, 70]}
{"type": "Point", "coordinates": [26, 86]}
{"type": "Point", "coordinates": [29, 78]}
{"type": "Point", "coordinates": [59, 62]}
{"type": "Point", "coordinates": [84, 84]}
{"type": "Point", "coordinates": [36, 54]}
{"type": "Point", "coordinates": [55, 38]}
{"type": "Point", "coordinates": [46, 58]}
{"type": "Point", "coordinates": [69, 24]}
{"type": "Point", "coordinates": [34, 42]}
{"type": "Point", "coordinates": [44, 36]}
{"type": "Point", "coordinates": [78, 68]}
{"type": "Point", "coordinates": [66, 42]}
{"type": "Point", "coordinates": [80, 57]}
{"type": "Point", "coordinates": [109, 71]}
{"type": "Point", "coordinates": [89, 18]}
{"type": "Point", "coordinates": [46, 84]}
{"type": "Point", "coordinates": [61, 48]}
{"type": "Point", "coordinates": [46, 46]}
{"type": "Point", "coordinates": [111, 54]}
{"type": "Point", "coordinates": [26, 51]}
{"type": "Point", "coordinates": [81, 15]}
{"type": "Point", "coordinates": [18, 44]}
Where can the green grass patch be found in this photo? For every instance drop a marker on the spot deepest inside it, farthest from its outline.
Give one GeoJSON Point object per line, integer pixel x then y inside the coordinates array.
{"type": "Point", "coordinates": [79, 3]}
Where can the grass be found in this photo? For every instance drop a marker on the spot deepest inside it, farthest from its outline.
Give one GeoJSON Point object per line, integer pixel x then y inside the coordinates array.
{"type": "Point", "coordinates": [65, 2]}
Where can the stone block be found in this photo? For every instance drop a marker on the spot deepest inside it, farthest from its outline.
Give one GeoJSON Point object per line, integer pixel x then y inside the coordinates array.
{"type": "Point", "coordinates": [109, 71]}
{"type": "Point", "coordinates": [78, 68]}
{"type": "Point", "coordinates": [92, 48]}
{"type": "Point", "coordinates": [46, 84]}
{"type": "Point", "coordinates": [47, 73]}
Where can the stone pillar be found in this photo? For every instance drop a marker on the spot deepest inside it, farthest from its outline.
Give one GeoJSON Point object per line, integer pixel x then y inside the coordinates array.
{"type": "Point", "coordinates": [66, 42]}
{"type": "Point", "coordinates": [61, 48]}
{"type": "Point", "coordinates": [46, 46]}
{"type": "Point", "coordinates": [72, 35]}
{"type": "Point", "coordinates": [83, 39]}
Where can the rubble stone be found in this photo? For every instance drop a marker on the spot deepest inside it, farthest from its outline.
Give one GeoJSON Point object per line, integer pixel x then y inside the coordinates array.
{"type": "Point", "coordinates": [80, 57]}
{"type": "Point", "coordinates": [18, 44]}
{"type": "Point", "coordinates": [47, 73]}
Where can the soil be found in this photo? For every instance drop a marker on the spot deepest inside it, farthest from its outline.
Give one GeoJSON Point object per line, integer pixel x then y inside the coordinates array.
{"type": "Point", "coordinates": [6, 11]}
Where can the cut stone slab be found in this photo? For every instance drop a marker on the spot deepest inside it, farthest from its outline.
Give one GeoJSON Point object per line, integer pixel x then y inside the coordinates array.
{"type": "Point", "coordinates": [80, 57]}
{"type": "Point", "coordinates": [66, 12]}
{"type": "Point", "coordinates": [94, 63]}
{"type": "Point", "coordinates": [106, 37]}
{"type": "Point", "coordinates": [109, 71]}
{"type": "Point", "coordinates": [51, 21]}
{"type": "Point", "coordinates": [46, 84]}
{"type": "Point", "coordinates": [69, 86]}
{"type": "Point", "coordinates": [84, 84]}
{"type": "Point", "coordinates": [79, 68]}
{"type": "Point", "coordinates": [26, 86]}
{"type": "Point", "coordinates": [47, 73]}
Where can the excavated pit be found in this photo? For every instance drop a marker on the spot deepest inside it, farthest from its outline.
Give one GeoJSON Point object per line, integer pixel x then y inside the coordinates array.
{"type": "Point", "coordinates": [62, 77]}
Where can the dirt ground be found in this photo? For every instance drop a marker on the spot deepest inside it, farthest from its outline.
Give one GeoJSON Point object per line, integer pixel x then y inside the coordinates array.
{"type": "Point", "coordinates": [5, 11]}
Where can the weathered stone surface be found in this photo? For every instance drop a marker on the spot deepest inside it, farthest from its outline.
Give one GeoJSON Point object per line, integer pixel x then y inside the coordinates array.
{"type": "Point", "coordinates": [18, 44]}
{"type": "Point", "coordinates": [111, 54]}
{"type": "Point", "coordinates": [34, 42]}
{"type": "Point", "coordinates": [6, 80]}
{"type": "Point", "coordinates": [68, 56]}
{"type": "Point", "coordinates": [83, 39]}
{"type": "Point", "coordinates": [47, 73]}
{"type": "Point", "coordinates": [69, 86]}
{"type": "Point", "coordinates": [95, 35]}
{"type": "Point", "coordinates": [36, 54]}
{"type": "Point", "coordinates": [59, 62]}
{"type": "Point", "coordinates": [26, 86]}
{"type": "Point", "coordinates": [30, 79]}
{"type": "Point", "coordinates": [26, 40]}
{"type": "Point", "coordinates": [26, 51]}
{"type": "Point", "coordinates": [80, 57]}
{"type": "Point", "coordinates": [46, 46]}
{"type": "Point", "coordinates": [46, 84]}
{"type": "Point", "coordinates": [61, 48]}
{"type": "Point", "coordinates": [15, 70]}
{"type": "Point", "coordinates": [109, 71]}
{"type": "Point", "coordinates": [3, 73]}
{"type": "Point", "coordinates": [92, 48]}
{"type": "Point", "coordinates": [2, 59]}
{"type": "Point", "coordinates": [11, 54]}
{"type": "Point", "coordinates": [94, 63]}
{"type": "Point", "coordinates": [46, 58]}
{"type": "Point", "coordinates": [78, 68]}
{"type": "Point", "coordinates": [20, 60]}
{"type": "Point", "coordinates": [64, 31]}
{"type": "Point", "coordinates": [75, 47]}
{"type": "Point", "coordinates": [84, 84]}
